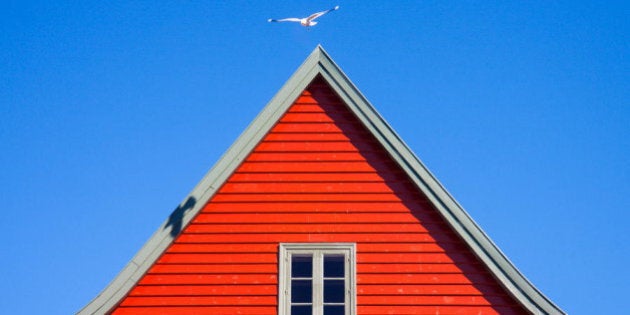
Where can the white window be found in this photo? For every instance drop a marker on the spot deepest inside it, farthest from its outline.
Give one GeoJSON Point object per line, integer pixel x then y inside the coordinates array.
{"type": "Point", "coordinates": [317, 279]}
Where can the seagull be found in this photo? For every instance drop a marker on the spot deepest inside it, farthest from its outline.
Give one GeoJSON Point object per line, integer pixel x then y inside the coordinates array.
{"type": "Point", "coordinates": [307, 21]}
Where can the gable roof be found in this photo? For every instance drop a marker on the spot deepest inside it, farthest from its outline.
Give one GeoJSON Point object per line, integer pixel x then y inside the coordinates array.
{"type": "Point", "coordinates": [320, 64]}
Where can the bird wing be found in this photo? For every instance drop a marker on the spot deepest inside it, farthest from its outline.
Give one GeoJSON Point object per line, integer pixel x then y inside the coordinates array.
{"type": "Point", "coordinates": [318, 14]}
{"type": "Point", "coordinates": [285, 20]}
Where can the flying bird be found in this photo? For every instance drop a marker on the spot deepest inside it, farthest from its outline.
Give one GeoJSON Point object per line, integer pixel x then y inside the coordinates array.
{"type": "Point", "coordinates": [307, 21]}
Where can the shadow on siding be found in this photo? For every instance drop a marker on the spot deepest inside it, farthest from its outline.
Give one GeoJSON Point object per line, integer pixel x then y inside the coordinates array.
{"type": "Point", "coordinates": [176, 218]}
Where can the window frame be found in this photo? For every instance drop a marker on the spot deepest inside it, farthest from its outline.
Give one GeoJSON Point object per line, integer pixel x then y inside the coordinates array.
{"type": "Point", "coordinates": [286, 250]}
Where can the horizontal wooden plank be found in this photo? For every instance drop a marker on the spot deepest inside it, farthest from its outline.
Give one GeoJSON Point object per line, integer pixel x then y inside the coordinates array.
{"type": "Point", "coordinates": [430, 289]}
{"type": "Point", "coordinates": [460, 257]}
{"type": "Point", "coordinates": [333, 177]}
{"type": "Point", "coordinates": [329, 187]}
{"type": "Point", "coordinates": [378, 248]}
{"type": "Point", "coordinates": [245, 258]}
{"type": "Point", "coordinates": [311, 228]}
{"type": "Point", "coordinates": [310, 167]}
{"type": "Point", "coordinates": [312, 108]}
{"type": "Point", "coordinates": [215, 258]}
{"type": "Point", "coordinates": [307, 137]}
{"type": "Point", "coordinates": [208, 290]}
{"type": "Point", "coordinates": [328, 217]}
{"type": "Point", "coordinates": [199, 300]}
{"type": "Point", "coordinates": [418, 300]}
{"type": "Point", "coordinates": [320, 95]}
{"type": "Point", "coordinates": [421, 278]}
{"type": "Point", "coordinates": [224, 238]}
{"type": "Point", "coordinates": [205, 279]}
{"type": "Point", "coordinates": [268, 268]}
{"type": "Point", "coordinates": [319, 127]}
{"type": "Point", "coordinates": [223, 248]}
{"type": "Point", "coordinates": [437, 309]}
{"type": "Point", "coordinates": [420, 209]}
{"type": "Point", "coordinates": [272, 300]}
{"type": "Point", "coordinates": [366, 290]}
{"type": "Point", "coordinates": [325, 156]}
{"type": "Point", "coordinates": [250, 268]}
{"type": "Point", "coordinates": [325, 100]}
{"type": "Point", "coordinates": [317, 146]}
{"type": "Point", "coordinates": [410, 247]}
{"type": "Point", "coordinates": [299, 108]}
{"type": "Point", "coordinates": [334, 117]}
{"type": "Point", "coordinates": [304, 197]}
{"type": "Point", "coordinates": [188, 310]}
{"type": "Point", "coordinates": [395, 267]}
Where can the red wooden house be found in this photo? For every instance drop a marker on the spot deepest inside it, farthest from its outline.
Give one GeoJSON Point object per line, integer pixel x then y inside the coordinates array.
{"type": "Point", "coordinates": [320, 208]}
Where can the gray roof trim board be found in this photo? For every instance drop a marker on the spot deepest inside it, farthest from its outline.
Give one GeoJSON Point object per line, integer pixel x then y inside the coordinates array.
{"type": "Point", "coordinates": [320, 63]}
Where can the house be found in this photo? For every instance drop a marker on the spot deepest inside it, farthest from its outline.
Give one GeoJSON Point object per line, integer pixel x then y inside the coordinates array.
{"type": "Point", "coordinates": [320, 208]}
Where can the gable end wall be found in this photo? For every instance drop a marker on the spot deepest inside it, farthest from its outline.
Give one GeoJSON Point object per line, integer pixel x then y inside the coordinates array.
{"type": "Point", "coordinates": [318, 176]}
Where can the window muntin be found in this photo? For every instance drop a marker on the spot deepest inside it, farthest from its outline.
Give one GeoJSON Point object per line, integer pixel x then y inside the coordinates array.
{"type": "Point", "coordinates": [301, 284]}
{"type": "Point", "coordinates": [317, 279]}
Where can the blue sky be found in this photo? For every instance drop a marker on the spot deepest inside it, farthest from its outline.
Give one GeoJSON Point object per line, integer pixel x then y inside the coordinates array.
{"type": "Point", "coordinates": [113, 111]}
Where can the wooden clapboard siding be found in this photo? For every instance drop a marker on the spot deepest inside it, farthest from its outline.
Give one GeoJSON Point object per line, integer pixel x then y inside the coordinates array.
{"type": "Point", "coordinates": [318, 176]}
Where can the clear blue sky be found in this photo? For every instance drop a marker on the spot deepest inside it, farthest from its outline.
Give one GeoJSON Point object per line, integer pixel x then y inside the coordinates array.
{"type": "Point", "coordinates": [112, 111]}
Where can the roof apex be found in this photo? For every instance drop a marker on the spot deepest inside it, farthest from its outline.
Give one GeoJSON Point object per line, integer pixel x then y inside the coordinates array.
{"type": "Point", "coordinates": [320, 63]}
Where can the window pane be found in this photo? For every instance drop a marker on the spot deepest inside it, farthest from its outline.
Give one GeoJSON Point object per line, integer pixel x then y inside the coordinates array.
{"type": "Point", "coordinates": [302, 310]}
{"type": "Point", "coordinates": [301, 266]}
{"type": "Point", "coordinates": [334, 291]}
{"type": "Point", "coordinates": [301, 291]}
{"type": "Point", "coordinates": [334, 266]}
{"type": "Point", "coordinates": [334, 310]}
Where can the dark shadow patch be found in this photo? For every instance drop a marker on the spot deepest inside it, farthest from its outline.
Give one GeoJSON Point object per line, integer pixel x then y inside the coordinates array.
{"type": "Point", "coordinates": [175, 220]}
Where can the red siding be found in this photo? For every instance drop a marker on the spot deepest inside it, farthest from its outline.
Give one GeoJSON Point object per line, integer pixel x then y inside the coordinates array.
{"type": "Point", "coordinates": [318, 176]}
